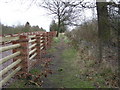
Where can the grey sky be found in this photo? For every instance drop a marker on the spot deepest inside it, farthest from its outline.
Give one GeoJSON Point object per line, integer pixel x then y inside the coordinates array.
{"type": "Point", "coordinates": [16, 12]}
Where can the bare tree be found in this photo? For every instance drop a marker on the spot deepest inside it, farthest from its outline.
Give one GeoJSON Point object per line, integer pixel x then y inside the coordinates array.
{"type": "Point", "coordinates": [67, 11]}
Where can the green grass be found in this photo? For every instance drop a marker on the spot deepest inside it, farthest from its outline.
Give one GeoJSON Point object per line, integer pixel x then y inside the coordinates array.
{"type": "Point", "coordinates": [69, 54]}
{"type": "Point", "coordinates": [75, 72]}
{"type": "Point", "coordinates": [61, 37]}
{"type": "Point", "coordinates": [21, 83]}
{"type": "Point", "coordinates": [71, 80]}
{"type": "Point", "coordinates": [18, 84]}
{"type": "Point", "coordinates": [67, 77]}
{"type": "Point", "coordinates": [67, 72]}
{"type": "Point", "coordinates": [56, 40]}
{"type": "Point", "coordinates": [35, 71]}
{"type": "Point", "coordinates": [51, 50]}
{"type": "Point", "coordinates": [71, 75]}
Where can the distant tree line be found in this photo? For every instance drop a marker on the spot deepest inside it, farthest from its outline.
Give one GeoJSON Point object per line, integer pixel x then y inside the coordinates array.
{"type": "Point", "coordinates": [54, 27]}
{"type": "Point", "coordinates": [19, 29]}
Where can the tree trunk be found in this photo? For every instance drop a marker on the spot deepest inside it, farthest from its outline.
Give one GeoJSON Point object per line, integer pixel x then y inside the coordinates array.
{"type": "Point", "coordinates": [119, 45]}
{"type": "Point", "coordinates": [58, 26]}
{"type": "Point", "coordinates": [103, 26]}
{"type": "Point", "coordinates": [58, 15]}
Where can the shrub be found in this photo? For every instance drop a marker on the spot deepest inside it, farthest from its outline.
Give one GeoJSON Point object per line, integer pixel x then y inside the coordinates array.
{"type": "Point", "coordinates": [87, 32]}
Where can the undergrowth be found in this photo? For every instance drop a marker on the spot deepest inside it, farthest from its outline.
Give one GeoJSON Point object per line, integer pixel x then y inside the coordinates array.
{"type": "Point", "coordinates": [33, 78]}
{"type": "Point", "coordinates": [102, 75]}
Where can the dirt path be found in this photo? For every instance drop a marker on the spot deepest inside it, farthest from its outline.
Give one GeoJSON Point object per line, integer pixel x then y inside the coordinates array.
{"type": "Point", "coordinates": [66, 69]}
{"type": "Point", "coordinates": [55, 66]}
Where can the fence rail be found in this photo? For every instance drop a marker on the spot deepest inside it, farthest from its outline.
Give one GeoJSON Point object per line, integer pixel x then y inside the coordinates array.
{"type": "Point", "coordinates": [9, 47]}
{"type": "Point", "coordinates": [25, 47]}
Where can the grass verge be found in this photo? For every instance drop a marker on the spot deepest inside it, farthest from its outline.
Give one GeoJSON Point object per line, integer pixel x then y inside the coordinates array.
{"type": "Point", "coordinates": [21, 83]}
{"type": "Point", "coordinates": [77, 73]}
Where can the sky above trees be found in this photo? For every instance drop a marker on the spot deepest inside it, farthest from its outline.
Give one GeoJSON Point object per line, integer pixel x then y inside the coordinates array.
{"type": "Point", "coordinates": [18, 12]}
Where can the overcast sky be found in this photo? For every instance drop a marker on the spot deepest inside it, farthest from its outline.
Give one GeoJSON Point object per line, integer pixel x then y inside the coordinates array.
{"type": "Point", "coordinates": [16, 12]}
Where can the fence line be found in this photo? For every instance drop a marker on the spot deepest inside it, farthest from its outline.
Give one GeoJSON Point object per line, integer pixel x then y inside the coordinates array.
{"type": "Point", "coordinates": [27, 50]}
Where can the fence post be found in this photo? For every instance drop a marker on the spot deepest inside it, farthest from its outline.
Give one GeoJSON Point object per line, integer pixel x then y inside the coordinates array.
{"type": "Point", "coordinates": [47, 40]}
{"type": "Point", "coordinates": [44, 44]}
{"type": "Point", "coordinates": [50, 39]}
{"type": "Point", "coordinates": [38, 47]}
{"type": "Point", "coordinates": [24, 56]}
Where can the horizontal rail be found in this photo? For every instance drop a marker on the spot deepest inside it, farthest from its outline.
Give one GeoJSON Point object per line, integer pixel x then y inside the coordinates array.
{"type": "Point", "coordinates": [9, 76]}
{"type": "Point", "coordinates": [2, 49]}
{"type": "Point", "coordinates": [41, 48]}
{"type": "Point", "coordinates": [9, 57]}
{"type": "Point", "coordinates": [30, 41]}
{"type": "Point", "coordinates": [8, 36]}
{"type": "Point", "coordinates": [41, 40]}
{"type": "Point", "coordinates": [31, 36]}
{"type": "Point", "coordinates": [41, 37]}
{"type": "Point", "coordinates": [33, 56]}
{"type": "Point", "coordinates": [32, 51]}
{"type": "Point", "coordinates": [41, 44]}
{"type": "Point", "coordinates": [5, 39]}
{"type": "Point", "coordinates": [5, 43]}
{"type": "Point", "coordinates": [32, 46]}
{"type": "Point", "coordinates": [2, 72]}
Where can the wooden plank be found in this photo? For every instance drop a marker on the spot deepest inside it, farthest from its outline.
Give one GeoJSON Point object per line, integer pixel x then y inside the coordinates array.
{"type": "Point", "coordinates": [32, 36]}
{"type": "Point", "coordinates": [9, 76]}
{"type": "Point", "coordinates": [32, 51]}
{"type": "Point", "coordinates": [6, 39]}
{"type": "Point", "coordinates": [41, 41]}
{"type": "Point", "coordinates": [2, 49]}
{"type": "Point", "coordinates": [5, 70]}
{"type": "Point", "coordinates": [41, 44]}
{"type": "Point", "coordinates": [9, 57]}
{"type": "Point", "coordinates": [30, 41]}
{"type": "Point", "coordinates": [32, 46]}
{"type": "Point", "coordinates": [8, 36]}
{"type": "Point", "coordinates": [41, 37]}
{"type": "Point", "coordinates": [41, 48]}
{"type": "Point", "coordinates": [33, 56]}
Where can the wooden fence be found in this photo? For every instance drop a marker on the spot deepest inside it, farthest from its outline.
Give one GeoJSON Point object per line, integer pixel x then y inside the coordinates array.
{"type": "Point", "coordinates": [27, 49]}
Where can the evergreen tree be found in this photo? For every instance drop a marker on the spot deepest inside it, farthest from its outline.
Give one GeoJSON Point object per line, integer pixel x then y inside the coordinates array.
{"type": "Point", "coordinates": [63, 27]}
{"type": "Point", "coordinates": [53, 26]}
{"type": "Point", "coordinates": [27, 27]}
